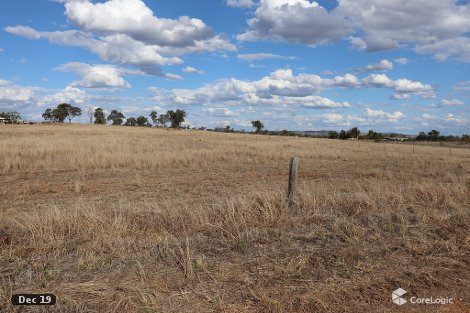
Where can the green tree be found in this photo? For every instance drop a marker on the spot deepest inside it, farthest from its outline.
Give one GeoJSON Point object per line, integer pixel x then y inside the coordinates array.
{"type": "Point", "coordinates": [353, 133]}
{"type": "Point", "coordinates": [117, 117]}
{"type": "Point", "coordinates": [65, 111]}
{"type": "Point", "coordinates": [13, 116]}
{"type": "Point", "coordinates": [154, 117]}
{"type": "Point", "coordinates": [422, 136]}
{"type": "Point", "coordinates": [333, 135]}
{"type": "Point", "coordinates": [142, 121]}
{"type": "Point", "coordinates": [163, 120]}
{"type": "Point", "coordinates": [258, 125]}
{"type": "Point", "coordinates": [466, 139]}
{"type": "Point", "coordinates": [131, 121]}
{"type": "Point", "coordinates": [99, 116]}
{"type": "Point", "coordinates": [433, 135]}
{"type": "Point", "coordinates": [176, 117]}
{"type": "Point", "coordinates": [47, 115]}
{"type": "Point", "coordinates": [343, 135]}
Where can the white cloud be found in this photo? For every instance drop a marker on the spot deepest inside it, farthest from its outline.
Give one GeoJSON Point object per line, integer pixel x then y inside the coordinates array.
{"type": "Point", "coordinates": [436, 27]}
{"type": "Point", "coordinates": [12, 93]}
{"type": "Point", "coordinates": [280, 88]}
{"type": "Point", "coordinates": [402, 61]}
{"type": "Point", "coordinates": [192, 70]}
{"type": "Point", "coordinates": [126, 32]}
{"type": "Point", "coordinates": [135, 19]}
{"type": "Point", "coordinates": [379, 114]}
{"type": "Point", "coordinates": [452, 102]}
{"type": "Point", "coordinates": [172, 76]}
{"type": "Point", "coordinates": [457, 48]}
{"type": "Point", "coordinates": [388, 24]}
{"type": "Point", "coordinates": [384, 65]}
{"type": "Point", "coordinates": [1, 50]}
{"type": "Point", "coordinates": [262, 56]}
{"type": "Point", "coordinates": [463, 86]}
{"type": "Point", "coordinates": [402, 88]}
{"type": "Point", "coordinates": [240, 3]}
{"type": "Point", "coordinates": [295, 21]}
{"type": "Point", "coordinates": [70, 95]}
{"type": "Point", "coordinates": [459, 120]}
{"type": "Point", "coordinates": [97, 76]}
{"type": "Point", "coordinates": [378, 80]}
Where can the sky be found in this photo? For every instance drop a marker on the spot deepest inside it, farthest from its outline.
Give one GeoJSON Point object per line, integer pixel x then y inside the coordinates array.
{"type": "Point", "coordinates": [387, 65]}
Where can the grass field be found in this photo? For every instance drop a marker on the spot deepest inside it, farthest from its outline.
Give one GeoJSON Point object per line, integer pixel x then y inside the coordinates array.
{"type": "Point", "coordinates": [128, 219]}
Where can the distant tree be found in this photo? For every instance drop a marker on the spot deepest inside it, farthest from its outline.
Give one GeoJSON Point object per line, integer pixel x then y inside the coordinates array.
{"type": "Point", "coordinates": [176, 117]}
{"type": "Point", "coordinates": [99, 116]}
{"type": "Point", "coordinates": [258, 125]}
{"type": "Point", "coordinates": [353, 133]}
{"type": "Point", "coordinates": [131, 121]}
{"type": "Point", "coordinates": [163, 120]}
{"type": "Point", "coordinates": [47, 115]}
{"type": "Point", "coordinates": [89, 112]}
{"type": "Point", "coordinates": [117, 117]}
{"type": "Point", "coordinates": [466, 139]}
{"type": "Point", "coordinates": [142, 121]}
{"type": "Point", "coordinates": [343, 135]}
{"type": "Point", "coordinates": [154, 117]}
{"type": "Point", "coordinates": [422, 136]}
{"type": "Point", "coordinates": [65, 111]}
{"type": "Point", "coordinates": [433, 135]}
{"type": "Point", "coordinates": [14, 116]}
{"type": "Point", "coordinates": [333, 135]}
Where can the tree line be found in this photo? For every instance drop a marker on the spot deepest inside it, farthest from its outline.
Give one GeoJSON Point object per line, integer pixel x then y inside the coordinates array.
{"type": "Point", "coordinates": [65, 111]}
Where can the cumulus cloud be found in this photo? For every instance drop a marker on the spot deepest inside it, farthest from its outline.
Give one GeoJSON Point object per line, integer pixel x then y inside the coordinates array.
{"type": "Point", "coordinates": [98, 76]}
{"type": "Point", "coordinates": [295, 21]}
{"type": "Point", "coordinates": [127, 32]}
{"type": "Point", "coordinates": [379, 114]}
{"type": "Point", "coordinates": [240, 3]}
{"type": "Point", "coordinates": [69, 94]}
{"type": "Point", "coordinates": [384, 65]}
{"type": "Point", "coordinates": [436, 27]}
{"type": "Point", "coordinates": [280, 88]}
{"type": "Point", "coordinates": [402, 88]}
{"type": "Point", "coordinates": [11, 93]}
{"type": "Point", "coordinates": [192, 70]}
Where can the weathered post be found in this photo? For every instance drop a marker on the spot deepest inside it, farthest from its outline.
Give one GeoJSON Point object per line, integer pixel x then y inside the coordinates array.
{"type": "Point", "coordinates": [294, 163]}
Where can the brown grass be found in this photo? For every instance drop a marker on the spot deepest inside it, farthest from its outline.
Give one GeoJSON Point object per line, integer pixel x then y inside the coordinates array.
{"type": "Point", "coordinates": [115, 219]}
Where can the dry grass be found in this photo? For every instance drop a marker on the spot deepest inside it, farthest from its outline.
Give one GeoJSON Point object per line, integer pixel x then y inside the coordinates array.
{"type": "Point", "coordinates": [148, 220]}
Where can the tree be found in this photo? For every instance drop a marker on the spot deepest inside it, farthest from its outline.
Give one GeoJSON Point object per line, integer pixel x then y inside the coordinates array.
{"type": "Point", "coordinates": [258, 125]}
{"type": "Point", "coordinates": [433, 135]}
{"type": "Point", "coordinates": [89, 112]}
{"type": "Point", "coordinates": [117, 117]}
{"type": "Point", "coordinates": [66, 111]}
{"type": "Point", "coordinates": [154, 117]}
{"type": "Point", "coordinates": [176, 117]}
{"type": "Point", "coordinates": [422, 136]}
{"type": "Point", "coordinates": [333, 135]}
{"type": "Point", "coordinates": [142, 121]}
{"type": "Point", "coordinates": [131, 121]}
{"type": "Point", "coordinates": [47, 115]}
{"type": "Point", "coordinates": [13, 116]}
{"type": "Point", "coordinates": [353, 133]}
{"type": "Point", "coordinates": [466, 139]}
{"type": "Point", "coordinates": [163, 120]}
{"type": "Point", "coordinates": [99, 116]}
{"type": "Point", "coordinates": [343, 135]}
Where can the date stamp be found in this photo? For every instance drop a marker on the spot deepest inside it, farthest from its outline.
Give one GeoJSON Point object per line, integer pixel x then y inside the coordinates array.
{"type": "Point", "coordinates": [34, 299]}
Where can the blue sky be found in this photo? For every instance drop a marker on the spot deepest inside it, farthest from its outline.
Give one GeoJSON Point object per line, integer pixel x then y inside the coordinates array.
{"type": "Point", "coordinates": [387, 65]}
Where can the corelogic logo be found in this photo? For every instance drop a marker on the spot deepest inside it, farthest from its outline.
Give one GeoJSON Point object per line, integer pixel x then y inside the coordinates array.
{"type": "Point", "coordinates": [397, 296]}
{"type": "Point", "coordinates": [398, 299]}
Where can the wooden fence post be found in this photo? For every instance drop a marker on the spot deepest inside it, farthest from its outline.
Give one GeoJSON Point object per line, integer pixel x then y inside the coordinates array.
{"type": "Point", "coordinates": [294, 163]}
